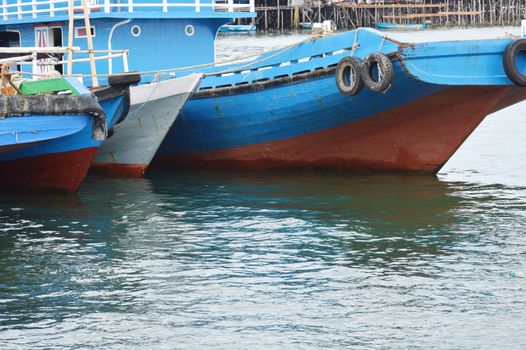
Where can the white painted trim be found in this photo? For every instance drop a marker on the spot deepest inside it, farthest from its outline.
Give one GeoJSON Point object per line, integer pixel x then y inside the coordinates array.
{"type": "Point", "coordinates": [165, 88]}
{"type": "Point", "coordinates": [110, 61]}
{"type": "Point", "coordinates": [189, 26]}
{"type": "Point", "coordinates": [138, 27]}
{"type": "Point", "coordinates": [54, 7]}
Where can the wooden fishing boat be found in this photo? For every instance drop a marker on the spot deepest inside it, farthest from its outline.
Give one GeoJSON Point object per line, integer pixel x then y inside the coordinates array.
{"type": "Point", "coordinates": [154, 106]}
{"type": "Point", "coordinates": [51, 129]}
{"type": "Point", "coordinates": [306, 105]}
{"type": "Point", "coordinates": [237, 28]}
{"type": "Point", "coordinates": [400, 26]}
{"type": "Point", "coordinates": [321, 104]}
{"type": "Point", "coordinates": [135, 140]}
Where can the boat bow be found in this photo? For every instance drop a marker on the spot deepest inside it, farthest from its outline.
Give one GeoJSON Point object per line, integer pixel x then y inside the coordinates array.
{"type": "Point", "coordinates": [471, 62]}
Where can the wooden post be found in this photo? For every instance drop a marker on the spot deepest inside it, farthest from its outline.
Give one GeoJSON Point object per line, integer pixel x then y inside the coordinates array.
{"type": "Point", "coordinates": [89, 38]}
{"type": "Point", "coordinates": [447, 15]}
{"type": "Point", "coordinates": [71, 20]}
{"type": "Point", "coordinates": [279, 19]}
{"type": "Point", "coordinates": [481, 15]}
{"type": "Point", "coordinates": [460, 8]}
{"type": "Point", "coordinates": [296, 16]}
{"type": "Point", "coordinates": [501, 13]}
{"type": "Point", "coordinates": [266, 20]}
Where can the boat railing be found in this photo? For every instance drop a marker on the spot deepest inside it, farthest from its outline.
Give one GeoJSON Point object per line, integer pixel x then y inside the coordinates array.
{"type": "Point", "coordinates": [27, 9]}
{"type": "Point", "coordinates": [42, 59]}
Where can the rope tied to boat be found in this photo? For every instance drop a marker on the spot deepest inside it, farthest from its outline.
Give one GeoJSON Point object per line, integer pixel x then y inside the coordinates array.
{"type": "Point", "coordinates": [382, 43]}
{"type": "Point", "coordinates": [355, 46]}
{"type": "Point", "coordinates": [6, 77]}
{"type": "Point", "coordinates": [313, 37]}
{"type": "Point", "coordinates": [157, 81]}
{"type": "Point", "coordinates": [286, 49]}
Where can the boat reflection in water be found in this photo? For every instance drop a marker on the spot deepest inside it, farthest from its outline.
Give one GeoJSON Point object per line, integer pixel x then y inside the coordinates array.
{"type": "Point", "coordinates": [140, 259]}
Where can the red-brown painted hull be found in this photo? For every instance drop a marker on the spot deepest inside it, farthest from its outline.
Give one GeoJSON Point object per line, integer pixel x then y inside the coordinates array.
{"type": "Point", "coordinates": [419, 136]}
{"type": "Point", "coordinates": [120, 170]}
{"type": "Point", "coordinates": [63, 171]}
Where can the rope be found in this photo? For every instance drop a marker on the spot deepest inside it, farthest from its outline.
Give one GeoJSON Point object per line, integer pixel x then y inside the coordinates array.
{"type": "Point", "coordinates": [382, 43]}
{"type": "Point", "coordinates": [236, 59]}
{"type": "Point", "coordinates": [158, 78]}
{"type": "Point", "coordinates": [6, 77]}
{"type": "Point", "coordinates": [355, 44]}
{"type": "Point", "coordinates": [285, 49]}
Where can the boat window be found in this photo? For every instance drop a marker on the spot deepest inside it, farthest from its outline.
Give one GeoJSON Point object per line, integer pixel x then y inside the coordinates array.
{"type": "Point", "coordinates": [9, 39]}
{"type": "Point", "coordinates": [80, 32]}
{"type": "Point", "coordinates": [136, 30]}
{"type": "Point", "coordinates": [189, 30]}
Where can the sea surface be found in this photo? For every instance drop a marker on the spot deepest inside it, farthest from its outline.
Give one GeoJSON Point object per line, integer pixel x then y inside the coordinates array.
{"type": "Point", "coordinates": [277, 260]}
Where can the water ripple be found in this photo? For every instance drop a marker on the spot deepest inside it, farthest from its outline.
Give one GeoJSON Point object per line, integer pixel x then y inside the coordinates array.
{"type": "Point", "coordinates": [223, 260]}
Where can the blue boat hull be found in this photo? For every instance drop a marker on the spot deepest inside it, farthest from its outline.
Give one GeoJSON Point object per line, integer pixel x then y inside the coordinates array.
{"type": "Point", "coordinates": [51, 152]}
{"type": "Point", "coordinates": [239, 28]}
{"type": "Point", "coordinates": [293, 115]}
{"type": "Point", "coordinates": [413, 127]}
{"type": "Point", "coordinates": [396, 26]}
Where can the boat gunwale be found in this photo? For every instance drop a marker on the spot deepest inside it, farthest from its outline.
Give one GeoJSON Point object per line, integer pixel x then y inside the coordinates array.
{"type": "Point", "coordinates": [277, 81]}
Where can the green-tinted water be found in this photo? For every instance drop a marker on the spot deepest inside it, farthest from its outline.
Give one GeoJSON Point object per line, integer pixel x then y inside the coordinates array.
{"type": "Point", "coordinates": [294, 260]}
{"type": "Point", "coordinates": [223, 260]}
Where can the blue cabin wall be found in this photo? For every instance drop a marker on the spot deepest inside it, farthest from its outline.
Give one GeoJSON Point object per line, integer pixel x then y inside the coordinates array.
{"type": "Point", "coordinates": [161, 44]}
{"type": "Point", "coordinates": [164, 44]}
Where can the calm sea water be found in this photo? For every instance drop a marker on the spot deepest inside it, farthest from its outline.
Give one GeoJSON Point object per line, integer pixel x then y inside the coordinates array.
{"type": "Point", "coordinates": [288, 260]}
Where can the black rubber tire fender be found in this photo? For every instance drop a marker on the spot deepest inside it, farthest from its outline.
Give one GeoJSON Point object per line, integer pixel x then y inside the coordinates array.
{"type": "Point", "coordinates": [124, 79]}
{"type": "Point", "coordinates": [510, 67]}
{"type": "Point", "coordinates": [349, 67]}
{"type": "Point", "coordinates": [385, 67]}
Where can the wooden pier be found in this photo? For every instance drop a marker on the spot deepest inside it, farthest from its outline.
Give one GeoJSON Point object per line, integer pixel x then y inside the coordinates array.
{"type": "Point", "coordinates": [289, 14]}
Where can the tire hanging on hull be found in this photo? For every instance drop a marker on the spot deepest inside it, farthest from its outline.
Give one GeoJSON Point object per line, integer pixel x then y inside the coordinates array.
{"type": "Point", "coordinates": [349, 76]}
{"type": "Point", "coordinates": [511, 53]}
{"type": "Point", "coordinates": [377, 72]}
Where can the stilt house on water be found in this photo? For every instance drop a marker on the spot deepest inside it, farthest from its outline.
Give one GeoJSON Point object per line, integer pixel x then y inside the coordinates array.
{"type": "Point", "coordinates": [290, 14]}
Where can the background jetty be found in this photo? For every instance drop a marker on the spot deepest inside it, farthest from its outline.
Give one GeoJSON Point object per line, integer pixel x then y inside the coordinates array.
{"type": "Point", "coordinates": [293, 14]}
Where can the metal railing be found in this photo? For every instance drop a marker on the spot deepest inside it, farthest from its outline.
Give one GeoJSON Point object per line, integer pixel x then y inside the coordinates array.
{"type": "Point", "coordinates": [20, 9]}
{"type": "Point", "coordinates": [41, 65]}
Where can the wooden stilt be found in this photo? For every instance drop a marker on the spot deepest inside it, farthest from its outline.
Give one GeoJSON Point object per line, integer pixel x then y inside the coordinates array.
{"type": "Point", "coordinates": [89, 38]}
{"type": "Point", "coordinates": [71, 20]}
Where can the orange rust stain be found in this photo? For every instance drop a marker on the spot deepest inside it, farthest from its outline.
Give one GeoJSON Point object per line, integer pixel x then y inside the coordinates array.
{"type": "Point", "coordinates": [120, 170]}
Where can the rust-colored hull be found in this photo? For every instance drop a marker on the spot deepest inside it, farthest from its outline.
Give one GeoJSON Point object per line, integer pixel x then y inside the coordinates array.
{"type": "Point", "coordinates": [53, 171]}
{"type": "Point", "coordinates": [419, 136]}
{"type": "Point", "coordinates": [120, 170]}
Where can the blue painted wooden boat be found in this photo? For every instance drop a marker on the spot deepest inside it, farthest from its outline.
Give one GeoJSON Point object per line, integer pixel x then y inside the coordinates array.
{"type": "Point", "coordinates": [286, 109]}
{"type": "Point", "coordinates": [50, 143]}
{"type": "Point", "coordinates": [237, 28]}
{"type": "Point", "coordinates": [155, 107]}
{"type": "Point", "coordinates": [133, 26]}
{"type": "Point", "coordinates": [400, 26]}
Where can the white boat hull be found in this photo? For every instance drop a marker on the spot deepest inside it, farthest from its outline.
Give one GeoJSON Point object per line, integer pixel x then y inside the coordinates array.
{"type": "Point", "coordinates": [154, 108]}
